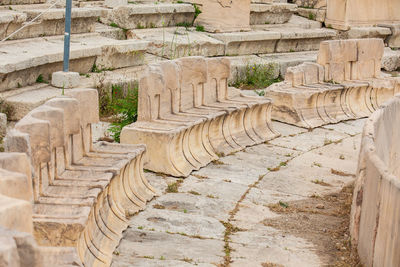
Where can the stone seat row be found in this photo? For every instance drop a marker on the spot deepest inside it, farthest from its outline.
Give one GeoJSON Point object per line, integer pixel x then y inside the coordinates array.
{"type": "Point", "coordinates": [83, 193]}
{"type": "Point", "coordinates": [187, 115]}
{"type": "Point", "coordinates": [17, 244]}
{"type": "Point", "coordinates": [345, 83]}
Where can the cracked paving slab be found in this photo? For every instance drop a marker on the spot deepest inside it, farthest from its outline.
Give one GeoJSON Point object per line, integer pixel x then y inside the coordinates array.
{"type": "Point", "coordinates": [217, 215]}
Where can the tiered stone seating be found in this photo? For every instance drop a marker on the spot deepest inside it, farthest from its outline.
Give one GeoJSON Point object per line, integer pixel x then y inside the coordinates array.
{"type": "Point", "coordinates": [345, 83]}
{"type": "Point", "coordinates": [83, 192]}
{"type": "Point", "coordinates": [375, 218]}
{"type": "Point", "coordinates": [17, 245]}
{"type": "Point", "coordinates": [187, 115]}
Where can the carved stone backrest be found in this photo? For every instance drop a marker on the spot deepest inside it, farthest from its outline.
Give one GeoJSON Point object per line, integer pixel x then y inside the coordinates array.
{"type": "Point", "coordinates": [336, 57]}
{"type": "Point", "coordinates": [368, 65]}
{"type": "Point", "coordinates": [88, 100]}
{"type": "Point", "coordinates": [218, 71]}
{"type": "Point", "coordinates": [15, 192]}
{"type": "Point", "coordinates": [351, 59]}
{"type": "Point", "coordinates": [55, 135]}
{"type": "Point", "coordinates": [171, 72]}
{"type": "Point", "coordinates": [193, 79]}
{"type": "Point", "coordinates": [306, 73]}
{"type": "Point", "coordinates": [154, 99]}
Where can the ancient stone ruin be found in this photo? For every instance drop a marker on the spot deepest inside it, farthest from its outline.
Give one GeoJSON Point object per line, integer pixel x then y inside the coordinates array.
{"type": "Point", "coordinates": [82, 192]}
{"type": "Point", "coordinates": [188, 116]}
{"type": "Point", "coordinates": [374, 220]}
{"type": "Point", "coordinates": [345, 83]}
{"type": "Point", "coordinates": [199, 133]}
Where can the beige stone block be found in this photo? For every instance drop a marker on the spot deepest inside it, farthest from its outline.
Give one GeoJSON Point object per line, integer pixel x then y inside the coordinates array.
{"type": "Point", "coordinates": [39, 138]}
{"type": "Point", "coordinates": [18, 165]}
{"type": "Point", "coordinates": [374, 221]}
{"type": "Point", "coordinates": [66, 80]}
{"type": "Point", "coordinates": [71, 117]}
{"type": "Point", "coordinates": [55, 117]}
{"type": "Point", "coordinates": [187, 115]}
{"type": "Point", "coordinates": [394, 39]}
{"type": "Point", "coordinates": [346, 83]}
{"type": "Point", "coordinates": [16, 214]}
{"type": "Point", "coordinates": [342, 14]}
{"type": "Point", "coordinates": [88, 104]}
{"type": "Point", "coordinates": [8, 252]}
{"type": "Point", "coordinates": [16, 185]}
{"type": "Point", "coordinates": [216, 15]}
{"type": "Point", "coordinates": [16, 141]}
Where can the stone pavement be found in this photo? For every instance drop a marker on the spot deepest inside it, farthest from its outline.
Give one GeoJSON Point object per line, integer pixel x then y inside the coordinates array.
{"type": "Point", "coordinates": [215, 216]}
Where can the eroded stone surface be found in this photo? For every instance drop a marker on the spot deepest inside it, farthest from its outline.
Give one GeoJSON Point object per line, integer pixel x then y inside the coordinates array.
{"type": "Point", "coordinates": [374, 224]}
{"type": "Point", "coordinates": [188, 116]}
{"type": "Point", "coordinates": [345, 83]}
{"type": "Point", "coordinates": [238, 189]}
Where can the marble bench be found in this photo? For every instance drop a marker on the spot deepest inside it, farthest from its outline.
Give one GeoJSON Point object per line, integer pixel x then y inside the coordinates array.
{"type": "Point", "coordinates": [188, 116]}
{"type": "Point", "coordinates": [83, 193]}
{"type": "Point", "coordinates": [345, 83]}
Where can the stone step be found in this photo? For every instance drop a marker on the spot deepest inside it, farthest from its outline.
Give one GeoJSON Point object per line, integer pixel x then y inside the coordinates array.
{"type": "Point", "coordinates": [23, 100]}
{"type": "Point", "coordinates": [25, 62]}
{"type": "Point", "coordinates": [178, 42]}
{"type": "Point", "coordinates": [294, 22]}
{"type": "Point", "coordinates": [273, 13]}
{"type": "Point", "coordinates": [49, 24]}
{"type": "Point", "coordinates": [20, 101]}
{"type": "Point", "coordinates": [277, 39]}
{"type": "Point", "coordinates": [21, 2]}
{"type": "Point", "coordinates": [317, 14]}
{"type": "Point", "coordinates": [152, 15]}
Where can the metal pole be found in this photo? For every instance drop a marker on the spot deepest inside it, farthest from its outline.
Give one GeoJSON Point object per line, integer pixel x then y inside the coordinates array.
{"type": "Point", "coordinates": [67, 34]}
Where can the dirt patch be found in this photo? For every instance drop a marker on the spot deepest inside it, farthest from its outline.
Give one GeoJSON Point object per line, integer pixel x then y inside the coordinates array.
{"type": "Point", "coordinates": [324, 221]}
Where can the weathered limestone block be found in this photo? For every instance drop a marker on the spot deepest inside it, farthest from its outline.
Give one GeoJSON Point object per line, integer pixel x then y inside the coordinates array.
{"type": "Point", "coordinates": [187, 115]}
{"type": "Point", "coordinates": [50, 23]}
{"type": "Point", "coordinates": [312, 13]}
{"type": "Point", "coordinates": [275, 13]}
{"type": "Point", "coordinates": [394, 39]}
{"type": "Point", "coordinates": [115, 3]}
{"type": "Point", "coordinates": [17, 245]}
{"type": "Point", "coordinates": [374, 221]}
{"type": "Point", "coordinates": [83, 192]}
{"type": "Point", "coordinates": [19, 69]}
{"type": "Point", "coordinates": [343, 14]}
{"type": "Point", "coordinates": [345, 83]}
{"type": "Point", "coordinates": [224, 15]}
{"type": "Point", "coordinates": [310, 3]}
{"type": "Point", "coordinates": [3, 125]}
{"type": "Point", "coordinates": [150, 15]}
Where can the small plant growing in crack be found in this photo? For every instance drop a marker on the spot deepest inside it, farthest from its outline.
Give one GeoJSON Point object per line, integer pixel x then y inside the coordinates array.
{"type": "Point", "coordinates": [320, 182]}
{"type": "Point", "coordinates": [200, 176]}
{"type": "Point", "coordinates": [188, 260]}
{"type": "Point", "coordinates": [149, 257]}
{"type": "Point", "coordinates": [317, 164]}
{"type": "Point", "coordinates": [341, 157]}
{"type": "Point", "coordinates": [327, 141]}
{"type": "Point", "coordinates": [283, 204]}
{"type": "Point", "coordinates": [194, 193]}
{"type": "Point", "coordinates": [211, 196]}
{"type": "Point", "coordinates": [274, 169]}
{"type": "Point", "coordinates": [158, 206]}
{"type": "Point", "coordinates": [173, 188]}
{"type": "Point", "coordinates": [218, 162]}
